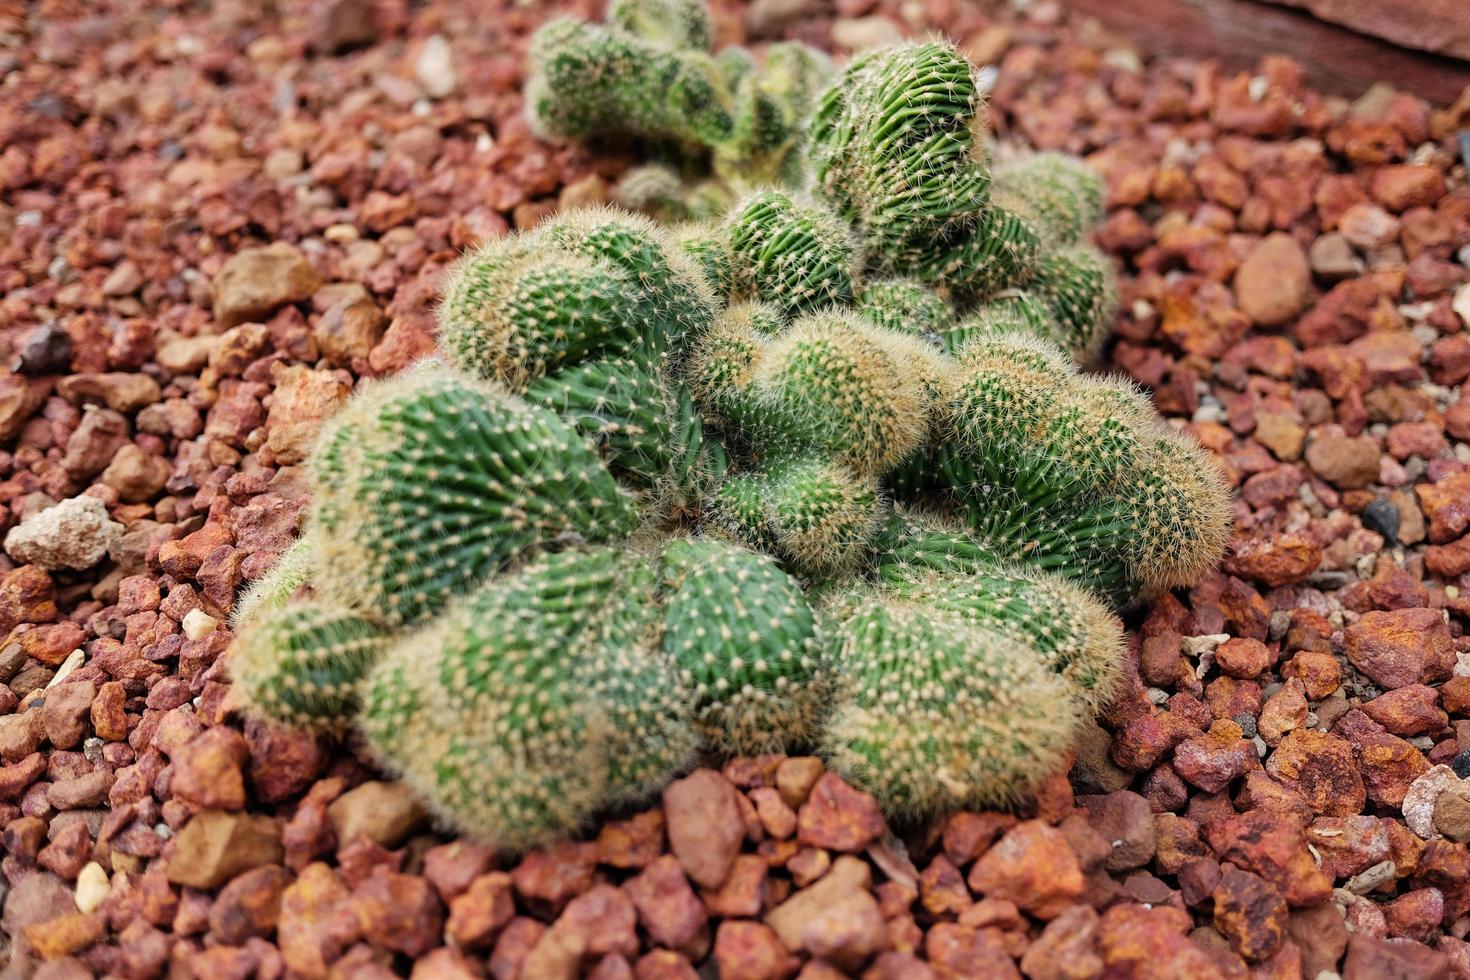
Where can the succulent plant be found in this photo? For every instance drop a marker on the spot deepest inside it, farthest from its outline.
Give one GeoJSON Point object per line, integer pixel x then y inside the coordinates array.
{"type": "Point", "coordinates": [932, 713]}
{"type": "Point", "coordinates": [590, 80]}
{"type": "Point", "coordinates": [301, 665]}
{"type": "Point", "coordinates": [816, 515]}
{"type": "Point", "coordinates": [672, 24]}
{"type": "Point", "coordinates": [428, 483]}
{"type": "Point", "coordinates": [822, 471]}
{"type": "Point", "coordinates": [534, 701]}
{"type": "Point", "coordinates": [745, 642]}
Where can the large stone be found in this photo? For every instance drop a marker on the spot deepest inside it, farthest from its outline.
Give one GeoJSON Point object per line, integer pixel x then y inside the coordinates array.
{"type": "Point", "coordinates": [1274, 282]}
{"type": "Point", "coordinates": [258, 281]}
{"type": "Point", "coordinates": [1401, 647]}
{"type": "Point", "coordinates": [385, 813]}
{"type": "Point", "coordinates": [74, 534]}
{"type": "Point", "coordinates": [215, 846]}
{"type": "Point", "coordinates": [705, 825]}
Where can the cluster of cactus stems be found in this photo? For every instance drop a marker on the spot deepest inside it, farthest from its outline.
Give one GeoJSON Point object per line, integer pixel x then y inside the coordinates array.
{"type": "Point", "coordinates": [648, 73]}
{"type": "Point", "coordinates": [822, 471]}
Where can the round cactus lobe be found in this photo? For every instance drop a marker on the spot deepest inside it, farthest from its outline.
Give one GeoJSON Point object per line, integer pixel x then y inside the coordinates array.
{"type": "Point", "coordinates": [744, 639]}
{"type": "Point", "coordinates": [300, 666]}
{"type": "Point", "coordinates": [933, 714]}
{"type": "Point", "coordinates": [428, 483]}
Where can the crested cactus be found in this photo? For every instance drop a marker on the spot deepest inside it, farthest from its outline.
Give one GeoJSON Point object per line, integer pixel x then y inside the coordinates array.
{"type": "Point", "coordinates": [428, 483]}
{"type": "Point", "coordinates": [672, 24]}
{"type": "Point", "coordinates": [648, 73]}
{"type": "Point", "coordinates": [301, 666]}
{"type": "Point", "coordinates": [931, 713]}
{"type": "Point", "coordinates": [588, 80]}
{"type": "Point", "coordinates": [745, 642]}
{"type": "Point", "coordinates": [534, 701]}
{"type": "Point", "coordinates": [865, 401]}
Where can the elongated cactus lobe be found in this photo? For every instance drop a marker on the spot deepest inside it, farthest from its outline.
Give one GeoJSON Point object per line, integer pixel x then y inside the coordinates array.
{"type": "Point", "coordinates": [521, 321]}
{"type": "Point", "coordinates": [301, 665]}
{"type": "Point", "coordinates": [745, 642]}
{"type": "Point", "coordinates": [933, 714]}
{"type": "Point", "coordinates": [896, 145]}
{"type": "Point", "coordinates": [594, 282]}
{"type": "Point", "coordinates": [667, 23]}
{"type": "Point", "coordinates": [797, 257]}
{"type": "Point", "coordinates": [428, 483]}
{"type": "Point", "coordinates": [590, 80]}
{"type": "Point", "coordinates": [535, 701]}
{"type": "Point", "coordinates": [1077, 636]}
{"type": "Point", "coordinates": [817, 516]}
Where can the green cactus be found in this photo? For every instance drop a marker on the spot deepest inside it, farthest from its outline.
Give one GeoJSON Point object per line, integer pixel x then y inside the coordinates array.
{"type": "Point", "coordinates": [745, 642]}
{"type": "Point", "coordinates": [535, 701]}
{"type": "Point", "coordinates": [426, 484]}
{"type": "Point", "coordinates": [661, 193]}
{"type": "Point", "coordinates": [896, 146]}
{"type": "Point", "coordinates": [1012, 311]}
{"type": "Point", "coordinates": [818, 517]}
{"type": "Point", "coordinates": [1077, 285]}
{"type": "Point", "coordinates": [830, 381]}
{"type": "Point", "coordinates": [797, 257]}
{"type": "Point", "coordinates": [588, 283]}
{"type": "Point", "coordinates": [275, 588]}
{"type": "Point", "coordinates": [672, 24]}
{"type": "Point", "coordinates": [933, 714]}
{"type": "Point", "coordinates": [703, 245]}
{"type": "Point", "coordinates": [771, 106]}
{"type": "Point", "coordinates": [906, 306]}
{"type": "Point", "coordinates": [1060, 193]}
{"type": "Point", "coordinates": [588, 80]}
{"type": "Point", "coordinates": [301, 665]}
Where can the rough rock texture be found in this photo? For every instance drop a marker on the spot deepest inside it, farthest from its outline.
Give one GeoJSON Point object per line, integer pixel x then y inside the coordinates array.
{"type": "Point", "coordinates": [75, 533]}
{"type": "Point", "coordinates": [215, 221]}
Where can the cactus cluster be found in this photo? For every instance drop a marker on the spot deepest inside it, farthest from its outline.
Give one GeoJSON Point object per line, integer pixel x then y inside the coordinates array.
{"type": "Point", "coordinates": [744, 485]}
{"type": "Point", "coordinates": [736, 121]}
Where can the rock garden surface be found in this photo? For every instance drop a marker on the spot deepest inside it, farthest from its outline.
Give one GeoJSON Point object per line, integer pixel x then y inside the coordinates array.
{"type": "Point", "coordinates": [214, 222]}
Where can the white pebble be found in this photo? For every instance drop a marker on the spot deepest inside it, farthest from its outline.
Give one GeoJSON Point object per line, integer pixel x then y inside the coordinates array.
{"type": "Point", "coordinates": [92, 888]}
{"type": "Point", "coordinates": [198, 624]}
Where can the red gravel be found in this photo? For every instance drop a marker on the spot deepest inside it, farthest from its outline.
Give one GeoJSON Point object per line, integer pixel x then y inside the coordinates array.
{"type": "Point", "coordinates": [213, 223]}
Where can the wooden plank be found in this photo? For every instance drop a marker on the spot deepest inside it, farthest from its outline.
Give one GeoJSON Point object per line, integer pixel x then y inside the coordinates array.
{"type": "Point", "coordinates": [1239, 32]}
